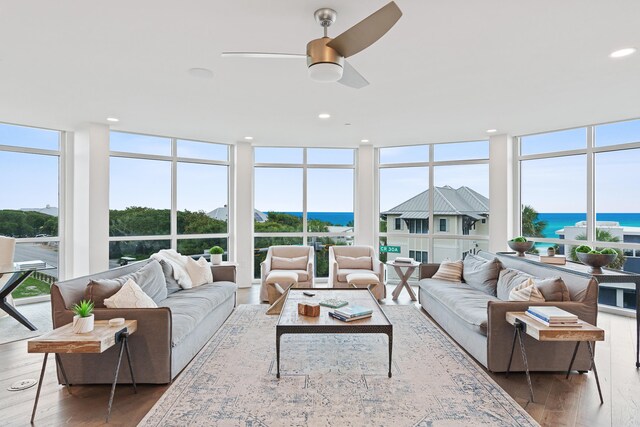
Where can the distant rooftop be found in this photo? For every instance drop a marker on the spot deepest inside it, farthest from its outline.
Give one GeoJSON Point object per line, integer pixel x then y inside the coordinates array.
{"type": "Point", "coordinates": [603, 225]}
{"type": "Point", "coordinates": [47, 210]}
{"type": "Point", "coordinates": [446, 201]}
{"type": "Point", "coordinates": [222, 214]}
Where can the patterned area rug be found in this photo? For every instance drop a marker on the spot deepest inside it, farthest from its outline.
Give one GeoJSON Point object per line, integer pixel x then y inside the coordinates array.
{"type": "Point", "coordinates": [334, 380]}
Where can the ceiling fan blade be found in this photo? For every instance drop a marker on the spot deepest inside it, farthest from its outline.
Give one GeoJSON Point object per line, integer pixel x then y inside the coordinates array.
{"type": "Point", "coordinates": [263, 55]}
{"type": "Point", "coordinates": [366, 32]}
{"type": "Point", "coordinates": [352, 78]}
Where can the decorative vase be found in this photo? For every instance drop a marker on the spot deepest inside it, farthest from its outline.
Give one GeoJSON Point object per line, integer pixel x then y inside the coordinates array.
{"type": "Point", "coordinates": [551, 251]}
{"type": "Point", "coordinates": [596, 261]}
{"type": "Point", "coordinates": [520, 247]}
{"type": "Point", "coordinates": [216, 259]}
{"type": "Point", "coordinates": [82, 325]}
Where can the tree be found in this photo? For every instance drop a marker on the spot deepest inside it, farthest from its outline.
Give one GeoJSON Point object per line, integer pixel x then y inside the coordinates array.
{"type": "Point", "coordinates": [602, 236]}
{"type": "Point", "coordinates": [531, 225]}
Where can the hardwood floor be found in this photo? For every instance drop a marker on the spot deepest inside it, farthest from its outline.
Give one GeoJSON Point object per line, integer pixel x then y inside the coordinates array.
{"type": "Point", "coordinates": [559, 401]}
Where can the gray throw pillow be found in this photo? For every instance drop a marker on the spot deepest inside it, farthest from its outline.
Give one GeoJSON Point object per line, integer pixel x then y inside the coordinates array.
{"type": "Point", "coordinates": [98, 290]}
{"type": "Point", "coordinates": [552, 288]}
{"type": "Point", "coordinates": [170, 281]}
{"type": "Point", "coordinates": [481, 274]}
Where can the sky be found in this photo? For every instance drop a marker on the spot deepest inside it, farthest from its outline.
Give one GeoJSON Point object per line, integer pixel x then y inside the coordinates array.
{"type": "Point", "coordinates": [549, 185]}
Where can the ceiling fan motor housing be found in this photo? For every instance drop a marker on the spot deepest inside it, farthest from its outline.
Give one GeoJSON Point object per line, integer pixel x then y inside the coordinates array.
{"type": "Point", "coordinates": [325, 64]}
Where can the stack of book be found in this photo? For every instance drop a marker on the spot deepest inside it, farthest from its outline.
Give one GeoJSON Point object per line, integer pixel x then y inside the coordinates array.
{"type": "Point", "coordinates": [333, 303]}
{"type": "Point", "coordinates": [555, 259]}
{"type": "Point", "coordinates": [350, 313]}
{"type": "Point", "coordinates": [553, 316]}
{"type": "Point", "coordinates": [403, 260]}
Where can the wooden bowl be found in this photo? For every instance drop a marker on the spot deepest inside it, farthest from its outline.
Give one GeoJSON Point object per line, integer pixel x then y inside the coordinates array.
{"type": "Point", "coordinates": [596, 261]}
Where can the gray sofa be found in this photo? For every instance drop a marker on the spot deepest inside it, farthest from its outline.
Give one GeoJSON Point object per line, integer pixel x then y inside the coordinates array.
{"type": "Point", "coordinates": [168, 337]}
{"type": "Point", "coordinates": [476, 319]}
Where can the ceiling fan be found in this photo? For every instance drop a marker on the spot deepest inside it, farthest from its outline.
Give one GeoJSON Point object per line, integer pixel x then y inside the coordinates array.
{"type": "Point", "coordinates": [326, 56]}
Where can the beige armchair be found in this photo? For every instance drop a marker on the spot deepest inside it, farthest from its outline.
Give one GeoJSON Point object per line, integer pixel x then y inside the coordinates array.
{"type": "Point", "coordinates": [288, 258]}
{"type": "Point", "coordinates": [345, 260]}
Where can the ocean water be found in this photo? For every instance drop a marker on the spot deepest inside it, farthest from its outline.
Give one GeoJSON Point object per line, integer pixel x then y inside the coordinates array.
{"type": "Point", "coordinates": [557, 221]}
{"type": "Point", "coordinates": [334, 218]}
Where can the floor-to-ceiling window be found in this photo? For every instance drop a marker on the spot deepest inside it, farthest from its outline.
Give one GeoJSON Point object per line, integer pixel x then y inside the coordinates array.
{"type": "Point", "coordinates": [577, 187]}
{"type": "Point", "coordinates": [166, 193]}
{"type": "Point", "coordinates": [303, 196]}
{"type": "Point", "coordinates": [30, 203]}
{"type": "Point", "coordinates": [433, 201]}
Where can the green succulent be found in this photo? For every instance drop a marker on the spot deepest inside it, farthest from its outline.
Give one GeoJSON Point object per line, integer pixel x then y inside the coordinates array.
{"type": "Point", "coordinates": [519, 239]}
{"type": "Point", "coordinates": [84, 308]}
{"type": "Point", "coordinates": [609, 251]}
{"type": "Point", "coordinates": [593, 251]}
{"type": "Point", "coordinates": [585, 249]}
{"type": "Point", "coordinates": [216, 250]}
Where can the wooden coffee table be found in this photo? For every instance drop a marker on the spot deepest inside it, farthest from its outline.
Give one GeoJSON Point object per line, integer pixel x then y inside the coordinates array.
{"type": "Point", "coordinates": [290, 322]}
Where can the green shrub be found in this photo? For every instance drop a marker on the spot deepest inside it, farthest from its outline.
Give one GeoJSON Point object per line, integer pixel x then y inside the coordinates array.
{"type": "Point", "coordinates": [216, 250]}
{"type": "Point", "coordinates": [609, 251]}
{"type": "Point", "coordinates": [585, 249]}
{"type": "Point", "coordinates": [520, 239]}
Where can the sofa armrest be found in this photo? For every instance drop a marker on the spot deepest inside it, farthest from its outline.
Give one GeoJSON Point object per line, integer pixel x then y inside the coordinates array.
{"type": "Point", "coordinates": [224, 273]}
{"type": "Point", "coordinates": [428, 270]}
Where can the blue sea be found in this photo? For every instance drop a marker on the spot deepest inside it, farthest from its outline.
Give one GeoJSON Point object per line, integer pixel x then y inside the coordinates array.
{"type": "Point", "coordinates": [334, 218]}
{"type": "Point", "coordinates": [557, 221]}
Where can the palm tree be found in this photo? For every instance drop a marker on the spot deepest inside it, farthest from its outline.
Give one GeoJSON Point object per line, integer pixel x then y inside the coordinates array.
{"type": "Point", "coordinates": [602, 236]}
{"type": "Point", "coordinates": [531, 225]}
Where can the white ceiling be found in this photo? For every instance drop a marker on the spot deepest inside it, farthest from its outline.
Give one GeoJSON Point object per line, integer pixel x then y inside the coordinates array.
{"type": "Point", "coordinates": [448, 71]}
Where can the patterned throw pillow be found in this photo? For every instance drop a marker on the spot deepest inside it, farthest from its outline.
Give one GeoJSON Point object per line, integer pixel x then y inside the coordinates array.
{"type": "Point", "coordinates": [199, 271]}
{"type": "Point", "coordinates": [130, 296]}
{"type": "Point", "coordinates": [449, 270]}
{"type": "Point", "coordinates": [526, 291]}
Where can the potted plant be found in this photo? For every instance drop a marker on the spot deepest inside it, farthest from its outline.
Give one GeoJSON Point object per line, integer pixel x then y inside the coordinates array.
{"type": "Point", "coordinates": [83, 319]}
{"type": "Point", "coordinates": [216, 255]}
{"type": "Point", "coordinates": [520, 244]}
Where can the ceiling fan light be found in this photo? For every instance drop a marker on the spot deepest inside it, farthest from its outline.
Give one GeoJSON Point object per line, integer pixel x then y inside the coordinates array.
{"type": "Point", "coordinates": [325, 72]}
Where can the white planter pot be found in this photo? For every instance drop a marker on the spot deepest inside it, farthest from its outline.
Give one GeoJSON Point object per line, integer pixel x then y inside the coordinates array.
{"type": "Point", "coordinates": [82, 325]}
{"type": "Point", "coordinates": [216, 259]}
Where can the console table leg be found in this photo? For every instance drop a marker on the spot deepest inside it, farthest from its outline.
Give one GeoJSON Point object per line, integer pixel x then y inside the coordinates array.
{"type": "Point", "coordinates": [390, 351]}
{"type": "Point", "coordinates": [595, 371]}
{"type": "Point", "coordinates": [35, 404]}
{"type": "Point", "coordinates": [126, 347]}
{"type": "Point", "coordinates": [524, 360]}
{"type": "Point", "coordinates": [115, 378]}
{"type": "Point", "coordinates": [513, 347]}
{"type": "Point", "coordinates": [573, 358]}
{"type": "Point", "coordinates": [64, 374]}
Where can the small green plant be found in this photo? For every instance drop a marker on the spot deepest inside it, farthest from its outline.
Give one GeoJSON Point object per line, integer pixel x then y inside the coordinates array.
{"type": "Point", "coordinates": [608, 251]}
{"type": "Point", "coordinates": [216, 250]}
{"type": "Point", "coordinates": [593, 251]}
{"type": "Point", "coordinates": [584, 249]}
{"type": "Point", "coordinates": [519, 239]}
{"type": "Point", "coordinates": [84, 308]}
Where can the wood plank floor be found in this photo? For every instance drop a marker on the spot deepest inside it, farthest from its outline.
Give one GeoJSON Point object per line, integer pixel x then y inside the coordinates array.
{"type": "Point", "coordinates": [559, 402]}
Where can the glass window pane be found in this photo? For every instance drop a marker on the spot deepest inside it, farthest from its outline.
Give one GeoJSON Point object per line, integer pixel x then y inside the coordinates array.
{"type": "Point", "coordinates": [617, 198]}
{"type": "Point", "coordinates": [140, 197]}
{"type": "Point", "coordinates": [39, 283]}
{"type": "Point", "coordinates": [122, 253]}
{"type": "Point", "coordinates": [321, 249]}
{"type": "Point", "coordinates": [403, 195]}
{"type": "Point", "coordinates": [330, 156]}
{"type": "Point", "coordinates": [618, 133]}
{"type": "Point", "coordinates": [142, 144]}
{"type": "Point", "coordinates": [202, 150]}
{"type": "Point", "coordinates": [261, 246]}
{"type": "Point", "coordinates": [202, 198]}
{"type": "Point", "coordinates": [278, 193]}
{"type": "Point", "coordinates": [22, 136]}
{"type": "Point", "coordinates": [571, 139]}
{"type": "Point", "coordinates": [330, 200]}
{"type": "Point", "coordinates": [202, 246]}
{"type": "Point", "coordinates": [408, 154]}
{"type": "Point", "coordinates": [553, 194]}
{"type": "Point", "coordinates": [29, 207]}
{"type": "Point", "coordinates": [278, 155]}
{"type": "Point", "coordinates": [455, 249]}
{"type": "Point", "coordinates": [461, 151]}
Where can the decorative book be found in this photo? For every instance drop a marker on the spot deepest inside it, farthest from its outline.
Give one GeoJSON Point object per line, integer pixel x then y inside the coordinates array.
{"type": "Point", "coordinates": [333, 303]}
{"type": "Point", "coordinates": [354, 311]}
{"type": "Point", "coordinates": [28, 265]}
{"type": "Point", "coordinates": [348, 319]}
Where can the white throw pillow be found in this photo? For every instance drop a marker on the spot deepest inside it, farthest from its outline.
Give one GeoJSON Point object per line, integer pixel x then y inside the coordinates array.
{"type": "Point", "coordinates": [350, 263]}
{"type": "Point", "coordinates": [526, 291]}
{"type": "Point", "coordinates": [130, 296]}
{"type": "Point", "coordinates": [450, 271]}
{"type": "Point", "coordinates": [199, 271]}
{"type": "Point", "coordinates": [281, 263]}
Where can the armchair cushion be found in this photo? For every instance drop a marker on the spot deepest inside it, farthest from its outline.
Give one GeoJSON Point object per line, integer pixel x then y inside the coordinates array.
{"type": "Point", "coordinates": [344, 272]}
{"type": "Point", "coordinates": [359, 263]}
{"type": "Point", "coordinates": [282, 263]}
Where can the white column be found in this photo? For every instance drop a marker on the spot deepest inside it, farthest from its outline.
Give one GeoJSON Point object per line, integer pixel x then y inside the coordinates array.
{"type": "Point", "coordinates": [242, 211]}
{"type": "Point", "coordinates": [365, 208]}
{"type": "Point", "coordinates": [87, 198]}
{"type": "Point", "coordinates": [501, 192]}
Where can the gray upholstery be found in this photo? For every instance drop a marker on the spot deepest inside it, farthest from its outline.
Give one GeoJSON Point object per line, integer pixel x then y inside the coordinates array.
{"type": "Point", "coordinates": [167, 337]}
{"type": "Point", "coordinates": [552, 288]}
{"type": "Point", "coordinates": [170, 282]}
{"type": "Point", "coordinates": [477, 320]}
{"type": "Point", "coordinates": [481, 274]}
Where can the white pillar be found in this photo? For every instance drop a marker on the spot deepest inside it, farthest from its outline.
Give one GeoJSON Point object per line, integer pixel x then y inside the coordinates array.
{"type": "Point", "coordinates": [242, 210]}
{"type": "Point", "coordinates": [365, 208]}
{"type": "Point", "coordinates": [501, 192]}
{"type": "Point", "coordinates": [87, 197]}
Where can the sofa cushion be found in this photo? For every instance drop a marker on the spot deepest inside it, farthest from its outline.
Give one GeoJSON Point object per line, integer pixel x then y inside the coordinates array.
{"type": "Point", "coordinates": [150, 278]}
{"type": "Point", "coordinates": [481, 274]}
{"type": "Point", "coordinates": [282, 263]}
{"type": "Point", "coordinates": [526, 291]}
{"type": "Point", "coordinates": [450, 271]}
{"type": "Point", "coordinates": [130, 296]}
{"type": "Point", "coordinates": [190, 306]}
{"type": "Point", "coordinates": [468, 303]}
{"type": "Point", "coordinates": [199, 271]}
{"type": "Point", "coordinates": [344, 272]}
{"type": "Point", "coordinates": [359, 263]}
{"type": "Point", "coordinates": [170, 281]}
{"type": "Point", "coordinates": [552, 288]}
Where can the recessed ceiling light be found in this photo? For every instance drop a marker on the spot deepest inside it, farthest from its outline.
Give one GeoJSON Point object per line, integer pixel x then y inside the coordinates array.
{"type": "Point", "coordinates": [248, 138]}
{"type": "Point", "coordinates": [112, 119]}
{"type": "Point", "coordinates": [492, 130]}
{"type": "Point", "coordinates": [347, 124]}
{"type": "Point", "coordinates": [621, 53]}
{"type": "Point", "coordinates": [324, 115]}
{"type": "Point", "coordinates": [201, 73]}
{"type": "Point", "coordinates": [364, 140]}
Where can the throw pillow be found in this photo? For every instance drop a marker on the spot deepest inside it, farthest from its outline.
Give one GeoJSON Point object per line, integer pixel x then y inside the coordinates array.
{"type": "Point", "coordinates": [130, 296]}
{"type": "Point", "coordinates": [449, 270]}
{"type": "Point", "coordinates": [481, 274]}
{"type": "Point", "coordinates": [552, 288]}
{"type": "Point", "coordinates": [100, 289]}
{"type": "Point", "coordinates": [199, 271]}
{"type": "Point", "coordinates": [508, 279]}
{"type": "Point", "coordinates": [282, 263]}
{"type": "Point", "coordinates": [170, 281]}
{"type": "Point", "coordinates": [526, 291]}
{"type": "Point", "coordinates": [351, 263]}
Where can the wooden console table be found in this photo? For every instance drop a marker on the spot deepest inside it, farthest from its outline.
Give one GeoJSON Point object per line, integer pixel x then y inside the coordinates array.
{"type": "Point", "coordinates": [607, 276]}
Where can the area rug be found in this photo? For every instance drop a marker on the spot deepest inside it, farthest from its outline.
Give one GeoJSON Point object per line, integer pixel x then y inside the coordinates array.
{"type": "Point", "coordinates": [39, 314]}
{"type": "Point", "coordinates": [334, 380]}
